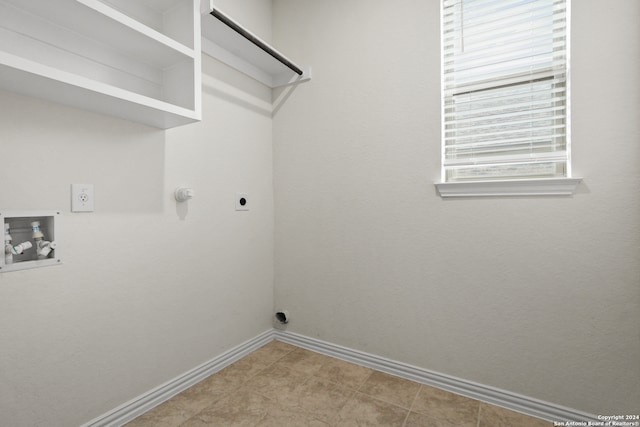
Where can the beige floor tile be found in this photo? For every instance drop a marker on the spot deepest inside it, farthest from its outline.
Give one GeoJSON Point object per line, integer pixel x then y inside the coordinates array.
{"type": "Point", "coordinates": [277, 383]}
{"type": "Point", "coordinates": [282, 385]}
{"type": "Point", "coordinates": [243, 408]}
{"type": "Point", "coordinates": [285, 417]}
{"type": "Point", "coordinates": [418, 420]}
{"type": "Point", "coordinates": [226, 380]}
{"type": "Point", "coordinates": [389, 388]}
{"type": "Point", "coordinates": [189, 402]}
{"type": "Point", "coordinates": [269, 353]}
{"type": "Point", "coordinates": [319, 398]}
{"type": "Point", "coordinates": [204, 393]}
{"type": "Point", "coordinates": [241, 371]}
{"type": "Point", "coordinates": [443, 405]}
{"type": "Point", "coordinates": [494, 416]}
{"type": "Point", "coordinates": [175, 411]}
{"type": "Point", "coordinates": [363, 410]}
{"type": "Point", "coordinates": [344, 373]}
{"type": "Point", "coordinates": [304, 361]}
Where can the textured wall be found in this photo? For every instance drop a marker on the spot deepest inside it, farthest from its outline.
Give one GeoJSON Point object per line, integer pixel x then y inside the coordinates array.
{"type": "Point", "coordinates": [538, 296]}
{"type": "Point", "coordinates": [147, 290]}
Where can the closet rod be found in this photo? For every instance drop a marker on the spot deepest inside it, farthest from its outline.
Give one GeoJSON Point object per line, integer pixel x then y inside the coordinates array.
{"type": "Point", "coordinates": [253, 39]}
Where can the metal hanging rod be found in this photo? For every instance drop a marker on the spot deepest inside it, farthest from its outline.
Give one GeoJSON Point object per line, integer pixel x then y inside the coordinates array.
{"type": "Point", "coordinates": [256, 41]}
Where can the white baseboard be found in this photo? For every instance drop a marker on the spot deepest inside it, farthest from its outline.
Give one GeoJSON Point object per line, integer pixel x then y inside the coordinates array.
{"type": "Point", "coordinates": [495, 396]}
{"type": "Point", "coordinates": [526, 405]}
{"type": "Point", "coordinates": [141, 404]}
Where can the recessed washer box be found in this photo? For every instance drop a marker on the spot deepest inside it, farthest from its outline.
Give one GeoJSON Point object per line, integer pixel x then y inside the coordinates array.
{"type": "Point", "coordinates": [21, 230]}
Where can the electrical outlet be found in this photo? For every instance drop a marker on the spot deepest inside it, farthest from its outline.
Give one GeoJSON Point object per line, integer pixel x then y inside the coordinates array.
{"type": "Point", "coordinates": [242, 202]}
{"type": "Point", "coordinates": [82, 198]}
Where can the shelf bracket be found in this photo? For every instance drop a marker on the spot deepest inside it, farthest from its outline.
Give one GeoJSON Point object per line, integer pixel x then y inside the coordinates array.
{"type": "Point", "coordinates": [288, 80]}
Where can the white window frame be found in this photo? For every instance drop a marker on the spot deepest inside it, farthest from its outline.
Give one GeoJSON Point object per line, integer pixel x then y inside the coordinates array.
{"type": "Point", "coordinates": [557, 186]}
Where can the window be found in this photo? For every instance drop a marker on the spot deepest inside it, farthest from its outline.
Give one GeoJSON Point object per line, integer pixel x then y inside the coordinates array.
{"type": "Point", "coordinates": [505, 91]}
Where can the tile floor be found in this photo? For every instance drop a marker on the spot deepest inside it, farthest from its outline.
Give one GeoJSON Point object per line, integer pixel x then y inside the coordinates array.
{"type": "Point", "coordinates": [283, 385]}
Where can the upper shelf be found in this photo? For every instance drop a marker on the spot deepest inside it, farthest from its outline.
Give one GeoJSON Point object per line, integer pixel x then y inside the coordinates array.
{"type": "Point", "coordinates": [227, 40]}
{"type": "Point", "coordinates": [109, 27]}
{"type": "Point", "coordinates": [99, 55]}
{"type": "Point", "coordinates": [41, 81]}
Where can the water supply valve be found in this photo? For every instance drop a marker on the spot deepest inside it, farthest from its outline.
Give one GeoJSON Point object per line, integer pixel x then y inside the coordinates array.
{"type": "Point", "coordinates": [43, 247]}
{"type": "Point", "coordinates": [9, 249]}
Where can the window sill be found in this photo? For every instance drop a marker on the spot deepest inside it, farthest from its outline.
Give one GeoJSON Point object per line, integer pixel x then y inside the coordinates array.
{"type": "Point", "coordinates": [523, 187]}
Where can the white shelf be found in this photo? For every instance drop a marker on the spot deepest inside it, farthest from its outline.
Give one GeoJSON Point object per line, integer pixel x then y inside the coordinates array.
{"type": "Point", "coordinates": [41, 81]}
{"type": "Point", "coordinates": [109, 27]}
{"type": "Point", "coordinates": [230, 42]}
{"type": "Point", "coordinates": [87, 54]}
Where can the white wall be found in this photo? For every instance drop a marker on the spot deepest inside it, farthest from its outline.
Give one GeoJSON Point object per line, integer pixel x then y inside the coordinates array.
{"type": "Point", "coordinates": [147, 291]}
{"type": "Point", "coordinates": [538, 296]}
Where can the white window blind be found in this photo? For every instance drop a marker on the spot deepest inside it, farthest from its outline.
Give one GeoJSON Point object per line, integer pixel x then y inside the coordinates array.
{"type": "Point", "coordinates": [505, 97]}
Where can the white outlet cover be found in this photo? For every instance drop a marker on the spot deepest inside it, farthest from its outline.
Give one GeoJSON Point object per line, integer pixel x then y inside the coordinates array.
{"type": "Point", "coordinates": [82, 198]}
{"type": "Point", "coordinates": [242, 202]}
